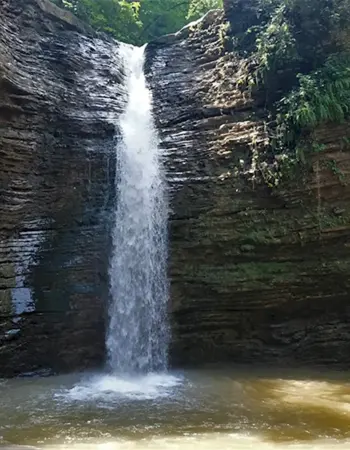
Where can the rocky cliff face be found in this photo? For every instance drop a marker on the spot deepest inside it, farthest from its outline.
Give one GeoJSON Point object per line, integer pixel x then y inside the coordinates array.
{"type": "Point", "coordinates": [257, 273]}
{"type": "Point", "coordinates": [59, 101]}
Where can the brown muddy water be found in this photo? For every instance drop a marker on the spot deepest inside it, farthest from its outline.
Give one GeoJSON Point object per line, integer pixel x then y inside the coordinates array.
{"type": "Point", "coordinates": [209, 410]}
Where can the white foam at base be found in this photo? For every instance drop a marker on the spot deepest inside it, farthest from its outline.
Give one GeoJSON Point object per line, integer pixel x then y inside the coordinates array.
{"type": "Point", "coordinates": [109, 387]}
{"type": "Point", "coordinates": [209, 442]}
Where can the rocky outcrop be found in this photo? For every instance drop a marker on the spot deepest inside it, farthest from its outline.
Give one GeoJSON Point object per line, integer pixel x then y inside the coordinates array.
{"type": "Point", "coordinates": [258, 274]}
{"type": "Point", "coordinates": [59, 101]}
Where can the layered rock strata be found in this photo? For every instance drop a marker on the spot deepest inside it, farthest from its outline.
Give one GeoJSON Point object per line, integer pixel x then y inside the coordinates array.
{"type": "Point", "coordinates": [59, 102]}
{"type": "Point", "coordinates": [258, 274]}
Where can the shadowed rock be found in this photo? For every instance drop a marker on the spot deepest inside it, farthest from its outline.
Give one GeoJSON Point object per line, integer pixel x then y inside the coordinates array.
{"type": "Point", "coordinates": [58, 109]}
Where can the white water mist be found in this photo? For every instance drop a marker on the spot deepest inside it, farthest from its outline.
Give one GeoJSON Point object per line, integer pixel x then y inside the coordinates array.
{"type": "Point", "coordinates": [137, 339]}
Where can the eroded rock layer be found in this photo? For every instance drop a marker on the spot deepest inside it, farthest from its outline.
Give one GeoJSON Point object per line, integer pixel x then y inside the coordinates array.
{"type": "Point", "coordinates": [258, 274]}
{"type": "Point", "coordinates": [59, 101]}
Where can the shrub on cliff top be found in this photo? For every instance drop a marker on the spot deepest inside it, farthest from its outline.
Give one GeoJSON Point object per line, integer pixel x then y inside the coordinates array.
{"type": "Point", "coordinates": [299, 53]}
{"type": "Point", "coordinates": [199, 7]}
{"type": "Point", "coordinates": [137, 22]}
{"type": "Point", "coordinates": [322, 96]}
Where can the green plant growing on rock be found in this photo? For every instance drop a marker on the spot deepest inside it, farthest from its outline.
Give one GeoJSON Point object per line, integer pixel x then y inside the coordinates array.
{"type": "Point", "coordinates": [333, 166]}
{"type": "Point", "coordinates": [223, 34]}
{"type": "Point", "coordinates": [275, 44]}
{"type": "Point", "coordinates": [120, 18]}
{"type": "Point", "coordinates": [322, 96]}
{"type": "Point", "coordinates": [136, 21]}
{"type": "Point", "coordinates": [297, 59]}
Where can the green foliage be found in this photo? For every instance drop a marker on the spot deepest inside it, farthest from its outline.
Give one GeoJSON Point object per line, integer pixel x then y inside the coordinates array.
{"type": "Point", "coordinates": [117, 17]}
{"type": "Point", "coordinates": [137, 22]}
{"type": "Point", "coordinates": [333, 166]}
{"type": "Point", "coordinates": [223, 33]}
{"type": "Point", "coordinates": [297, 54]}
{"type": "Point", "coordinates": [199, 7]}
{"type": "Point", "coordinates": [322, 96]}
{"type": "Point", "coordinates": [158, 20]}
{"type": "Point", "coordinates": [275, 44]}
{"type": "Point", "coordinates": [282, 38]}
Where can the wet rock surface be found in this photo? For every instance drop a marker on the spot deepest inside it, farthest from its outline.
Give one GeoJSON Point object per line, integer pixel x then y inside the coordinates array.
{"type": "Point", "coordinates": [258, 274]}
{"type": "Point", "coordinates": [59, 100]}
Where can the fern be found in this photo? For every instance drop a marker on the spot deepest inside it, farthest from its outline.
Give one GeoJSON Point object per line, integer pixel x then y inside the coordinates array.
{"type": "Point", "coordinates": [322, 96]}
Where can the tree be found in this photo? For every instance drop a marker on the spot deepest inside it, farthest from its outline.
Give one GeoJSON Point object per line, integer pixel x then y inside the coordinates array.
{"type": "Point", "coordinates": [199, 7]}
{"type": "Point", "coordinates": [137, 22]}
{"type": "Point", "coordinates": [117, 17]}
{"type": "Point", "coordinates": [158, 20]}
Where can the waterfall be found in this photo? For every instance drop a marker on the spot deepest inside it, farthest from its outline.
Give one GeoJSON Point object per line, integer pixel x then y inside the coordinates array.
{"type": "Point", "coordinates": [137, 337]}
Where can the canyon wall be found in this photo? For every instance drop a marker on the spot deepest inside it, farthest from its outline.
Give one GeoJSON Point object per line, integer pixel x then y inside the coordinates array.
{"type": "Point", "coordinates": [258, 273]}
{"type": "Point", "coordinates": [58, 106]}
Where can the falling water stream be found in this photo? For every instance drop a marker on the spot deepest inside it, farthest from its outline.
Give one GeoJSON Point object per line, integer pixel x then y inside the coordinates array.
{"type": "Point", "coordinates": [136, 404]}
{"type": "Point", "coordinates": [138, 333]}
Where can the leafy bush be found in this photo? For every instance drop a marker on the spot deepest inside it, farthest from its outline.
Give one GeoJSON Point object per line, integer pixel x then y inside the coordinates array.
{"type": "Point", "coordinates": [298, 54]}
{"type": "Point", "coordinates": [295, 58]}
{"type": "Point", "coordinates": [199, 7]}
{"type": "Point", "coordinates": [322, 96]}
{"type": "Point", "coordinates": [275, 46]}
{"type": "Point", "coordinates": [117, 17]}
{"type": "Point", "coordinates": [141, 21]}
